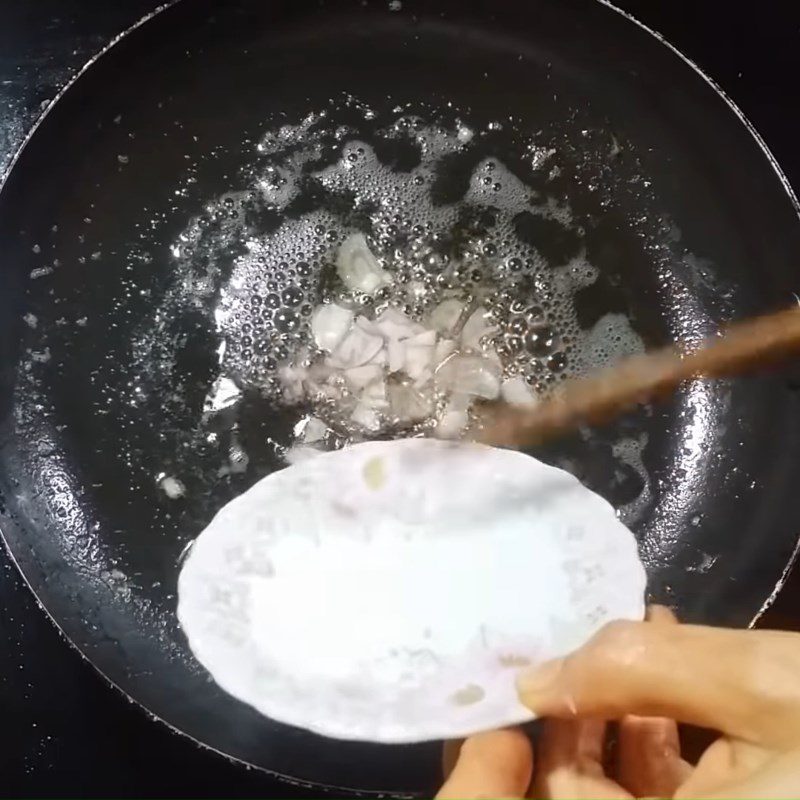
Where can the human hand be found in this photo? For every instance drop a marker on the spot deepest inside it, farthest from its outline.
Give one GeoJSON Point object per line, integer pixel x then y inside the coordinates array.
{"type": "Point", "coordinates": [647, 676]}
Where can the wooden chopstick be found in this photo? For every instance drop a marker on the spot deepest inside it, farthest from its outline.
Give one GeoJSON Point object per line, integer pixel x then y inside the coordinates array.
{"type": "Point", "coordinates": [743, 346]}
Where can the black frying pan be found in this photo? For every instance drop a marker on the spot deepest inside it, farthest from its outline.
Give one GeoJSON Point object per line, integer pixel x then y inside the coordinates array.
{"type": "Point", "coordinates": [690, 223]}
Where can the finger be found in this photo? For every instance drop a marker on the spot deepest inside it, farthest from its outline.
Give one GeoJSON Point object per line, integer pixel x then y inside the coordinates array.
{"type": "Point", "coordinates": [775, 777]}
{"type": "Point", "coordinates": [450, 754]}
{"type": "Point", "coordinates": [569, 762]}
{"type": "Point", "coordinates": [577, 744]}
{"type": "Point", "coordinates": [740, 682]}
{"type": "Point", "coordinates": [491, 765]}
{"type": "Point", "coordinates": [725, 763]}
{"type": "Point", "coordinates": [649, 757]}
{"type": "Point", "coordinates": [649, 762]}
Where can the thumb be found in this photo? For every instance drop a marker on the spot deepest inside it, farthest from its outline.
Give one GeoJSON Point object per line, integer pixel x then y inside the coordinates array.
{"type": "Point", "coordinates": [742, 683]}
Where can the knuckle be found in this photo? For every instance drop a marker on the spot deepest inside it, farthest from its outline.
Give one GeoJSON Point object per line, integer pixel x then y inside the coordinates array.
{"type": "Point", "coordinates": [618, 642]}
{"type": "Point", "coordinates": [656, 734]}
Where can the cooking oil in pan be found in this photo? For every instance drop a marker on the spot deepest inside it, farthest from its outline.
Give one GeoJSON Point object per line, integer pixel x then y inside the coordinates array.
{"type": "Point", "coordinates": [445, 216]}
{"type": "Point", "coordinates": [479, 247]}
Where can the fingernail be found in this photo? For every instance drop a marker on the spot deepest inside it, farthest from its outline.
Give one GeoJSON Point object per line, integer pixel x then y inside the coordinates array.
{"type": "Point", "coordinates": [539, 682]}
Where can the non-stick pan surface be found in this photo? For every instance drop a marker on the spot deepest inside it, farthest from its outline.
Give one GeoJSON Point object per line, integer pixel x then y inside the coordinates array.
{"type": "Point", "coordinates": [681, 210]}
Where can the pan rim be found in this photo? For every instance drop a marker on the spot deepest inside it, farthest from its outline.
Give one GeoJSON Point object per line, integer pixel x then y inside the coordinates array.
{"type": "Point", "coordinates": [17, 155]}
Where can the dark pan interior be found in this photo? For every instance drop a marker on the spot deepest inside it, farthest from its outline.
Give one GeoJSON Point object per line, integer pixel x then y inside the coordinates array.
{"type": "Point", "coordinates": [690, 227]}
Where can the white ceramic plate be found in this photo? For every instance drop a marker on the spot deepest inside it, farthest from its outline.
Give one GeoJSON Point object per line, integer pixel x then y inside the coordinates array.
{"type": "Point", "coordinates": [391, 591]}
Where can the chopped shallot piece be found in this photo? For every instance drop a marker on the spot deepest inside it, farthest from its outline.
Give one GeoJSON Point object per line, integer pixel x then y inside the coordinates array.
{"type": "Point", "coordinates": [517, 392]}
{"type": "Point", "coordinates": [397, 355]}
{"type": "Point", "coordinates": [443, 350]}
{"type": "Point", "coordinates": [374, 395]}
{"type": "Point", "coordinates": [419, 358]}
{"type": "Point", "coordinates": [300, 452]}
{"type": "Point", "coordinates": [408, 404]}
{"type": "Point", "coordinates": [475, 328]}
{"type": "Point", "coordinates": [329, 324]}
{"type": "Point", "coordinates": [359, 377]}
{"type": "Point", "coordinates": [314, 431]}
{"type": "Point", "coordinates": [368, 326]}
{"type": "Point", "coordinates": [366, 417]}
{"type": "Point", "coordinates": [444, 317]}
{"type": "Point", "coordinates": [381, 358]}
{"type": "Point", "coordinates": [452, 424]}
{"type": "Point", "coordinates": [357, 348]}
{"type": "Point", "coordinates": [455, 418]}
{"type": "Point", "coordinates": [292, 379]}
{"type": "Point", "coordinates": [357, 266]}
{"type": "Point", "coordinates": [425, 338]}
{"type": "Point", "coordinates": [470, 375]}
{"type": "Point", "coordinates": [394, 324]}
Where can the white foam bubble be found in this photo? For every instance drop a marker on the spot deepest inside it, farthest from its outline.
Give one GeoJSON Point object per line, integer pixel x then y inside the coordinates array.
{"type": "Point", "coordinates": [629, 451]}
